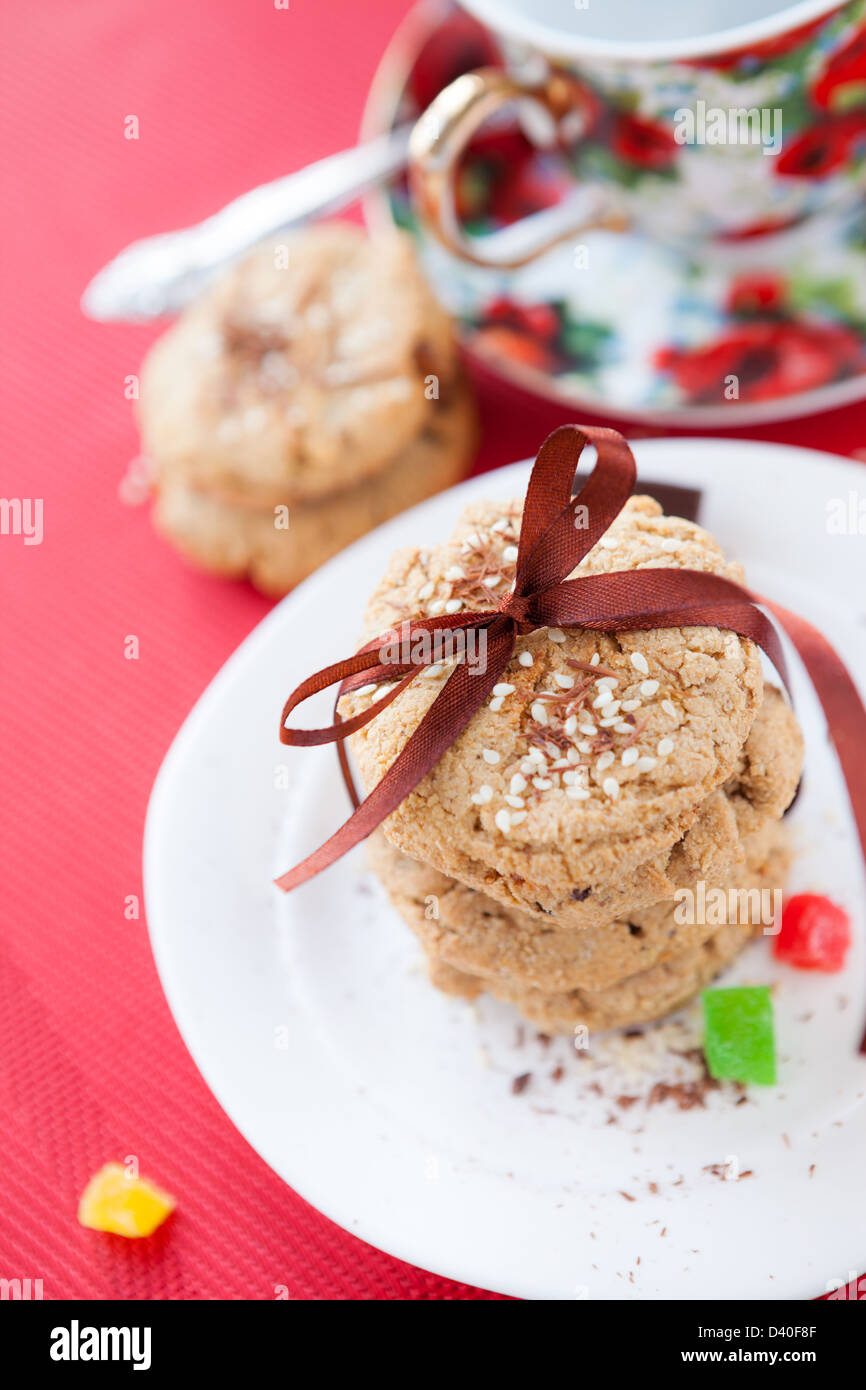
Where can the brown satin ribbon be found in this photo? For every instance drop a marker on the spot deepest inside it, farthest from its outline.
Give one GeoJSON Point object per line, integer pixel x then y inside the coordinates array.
{"type": "Point", "coordinates": [550, 547]}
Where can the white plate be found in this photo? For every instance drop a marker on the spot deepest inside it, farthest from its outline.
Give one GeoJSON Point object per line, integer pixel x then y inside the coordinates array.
{"type": "Point", "coordinates": [389, 1106]}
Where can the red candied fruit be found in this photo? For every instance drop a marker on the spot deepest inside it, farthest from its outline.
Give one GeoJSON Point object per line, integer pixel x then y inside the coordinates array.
{"type": "Point", "coordinates": [815, 933]}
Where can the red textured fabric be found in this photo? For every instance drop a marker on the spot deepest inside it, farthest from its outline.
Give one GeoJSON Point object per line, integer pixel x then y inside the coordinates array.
{"type": "Point", "coordinates": [91, 1067]}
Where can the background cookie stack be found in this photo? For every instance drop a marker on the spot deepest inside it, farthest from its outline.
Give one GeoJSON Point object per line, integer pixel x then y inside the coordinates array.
{"type": "Point", "coordinates": [540, 858]}
{"type": "Point", "coordinates": [314, 392]}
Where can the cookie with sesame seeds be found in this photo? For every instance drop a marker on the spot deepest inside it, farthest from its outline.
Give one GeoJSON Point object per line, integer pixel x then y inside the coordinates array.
{"type": "Point", "coordinates": [558, 994]}
{"type": "Point", "coordinates": [308, 366]}
{"type": "Point", "coordinates": [595, 752]}
{"type": "Point", "coordinates": [621, 932]}
{"type": "Point", "coordinates": [276, 547]}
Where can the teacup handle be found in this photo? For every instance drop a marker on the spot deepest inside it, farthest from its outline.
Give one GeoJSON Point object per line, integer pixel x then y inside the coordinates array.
{"type": "Point", "coordinates": [441, 135]}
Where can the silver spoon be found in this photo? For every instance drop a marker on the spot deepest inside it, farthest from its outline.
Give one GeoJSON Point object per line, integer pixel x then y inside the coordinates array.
{"type": "Point", "coordinates": [160, 274]}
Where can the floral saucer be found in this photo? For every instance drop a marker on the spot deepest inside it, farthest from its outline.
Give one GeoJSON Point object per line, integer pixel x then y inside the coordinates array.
{"type": "Point", "coordinates": [765, 328]}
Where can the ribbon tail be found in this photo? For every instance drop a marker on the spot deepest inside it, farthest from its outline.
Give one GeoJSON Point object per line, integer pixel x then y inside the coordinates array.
{"type": "Point", "coordinates": [842, 706]}
{"type": "Point", "coordinates": [461, 696]}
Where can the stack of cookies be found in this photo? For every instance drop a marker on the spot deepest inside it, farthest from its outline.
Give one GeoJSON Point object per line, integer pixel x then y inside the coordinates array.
{"type": "Point", "coordinates": [564, 852]}
{"type": "Point", "coordinates": [314, 392]}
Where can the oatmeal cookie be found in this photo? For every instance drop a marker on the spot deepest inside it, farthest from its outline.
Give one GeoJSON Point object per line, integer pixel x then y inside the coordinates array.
{"type": "Point", "coordinates": [309, 366]}
{"type": "Point", "coordinates": [246, 541]}
{"type": "Point", "coordinates": [645, 994]}
{"type": "Point", "coordinates": [595, 753]}
{"type": "Point", "coordinates": [472, 933]}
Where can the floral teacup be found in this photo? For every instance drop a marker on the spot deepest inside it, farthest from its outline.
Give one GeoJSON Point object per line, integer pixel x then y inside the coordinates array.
{"type": "Point", "coordinates": [673, 122]}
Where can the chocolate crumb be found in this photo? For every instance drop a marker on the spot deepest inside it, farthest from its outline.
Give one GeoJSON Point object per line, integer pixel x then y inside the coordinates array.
{"type": "Point", "coordinates": [543, 1038]}
{"type": "Point", "coordinates": [580, 895]}
{"type": "Point", "coordinates": [625, 1101]}
{"type": "Point", "coordinates": [654, 1188]}
{"type": "Point", "coordinates": [627, 1195]}
{"type": "Point", "coordinates": [811, 1170]}
{"type": "Point", "coordinates": [520, 1083]}
{"type": "Point", "coordinates": [557, 1074]}
{"type": "Point", "coordinates": [685, 1094]}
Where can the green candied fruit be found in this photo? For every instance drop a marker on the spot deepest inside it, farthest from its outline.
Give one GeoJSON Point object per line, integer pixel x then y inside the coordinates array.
{"type": "Point", "coordinates": [738, 1034]}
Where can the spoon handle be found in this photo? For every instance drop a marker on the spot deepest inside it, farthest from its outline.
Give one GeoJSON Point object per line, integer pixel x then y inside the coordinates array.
{"type": "Point", "coordinates": [160, 274]}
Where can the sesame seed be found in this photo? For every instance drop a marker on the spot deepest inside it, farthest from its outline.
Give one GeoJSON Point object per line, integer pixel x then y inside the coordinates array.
{"type": "Point", "coordinates": [500, 525]}
{"type": "Point", "coordinates": [509, 554]}
{"type": "Point", "coordinates": [594, 659]}
{"type": "Point", "coordinates": [584, 746]}
{"type": "Point", "coordinates": [664, 746]}
{"type": "Point", "coordinates": [543, 784]}
{"type": "Point", "coordinates": [435, 608]}
{"type": "Point", "coordinates": [483, 795]}
{"type": "Point", "coordinates": [604, 698]}
{"type": "Point", "coordinates": [571, 777]}
{"type": "Point", "coordinates": [538, 712]}
{"type": "Point", "coordinates": [620, 727]}
{"type": "Point", "coordinates": [502, 821]}
{"type": "Point", "coordinates": [607, 682]}
{"type": "Point", "coordinates": [564, 682]}
{"type": "Point", "coordinates": [455, 572]}
{"type": "Point", "coordinates": [435, 671]}
{"type": "Point", "coordinates": [610, 787]}
{"type": "Point", "coordinates": [630, 756]}
{"type": "Point", "coordinates": [552, 750]}
{"type": "Point", "coordinates": [604, 761]}
{"type": "Point", "coordinates": [609, 723]}
{"type": "Point", "coordinates": [491, 580]}
{"type": "Point", "coordinates": [573, 755]}
{"type": "Point", "coordinates": [503, 688]}
{"type": "Point", "coordinates": [496, 705]}
{"type": "Point", "coordinates": [587, 729]}
{"type": "Point", "coordinates": [608, 543]}
{"type": "Point", "coordinates": [648, 688]}
{"type": "Point", "coordinates": [669, 708]}
{"type": "Point", "coordinates": [515, 801]}
{"type": "Point", "coordinates": [577, 793]}
{"type": "Point", "coordinates": [646, 764]}
{"type": "Point", "coordinates": [639, 662]}
{"type": "Point", "coordinates": [518, 818]}
{"type": "Point", "coordinates": [535, 755]}
{"type": "Point", "coordinates": [570, 725]}
{"type": "Point", "coordinates": [630, 705]}
{"type": "Point", "coordinates": [490, 756]}
{"type": "Point", "coordinates": [556, 634]}
{"type": "Point", "coordinates": [472, 539]}
{"type": "Point", "coordinates": [525, 658]}
{"type": "Point", "coordinates": [612, 708]}
{"type": "Point", "coordinates": [365, 689]}
{"type": "Point", "coordinates": [518, 784]}
{"type": "Point", "coordinates": [454, 605]}
{"type": "Point", "coordinates": [426, 591]}
{"type": "Point", "coordinates": [670, 544]}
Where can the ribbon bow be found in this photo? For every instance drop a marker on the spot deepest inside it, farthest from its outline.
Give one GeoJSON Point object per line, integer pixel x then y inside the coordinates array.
{"type": "Point", "coordinates": [557, 531]}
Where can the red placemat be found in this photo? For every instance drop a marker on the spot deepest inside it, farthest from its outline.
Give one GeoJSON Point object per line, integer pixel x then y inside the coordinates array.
{"type": "Point", "coordinates": [227, 94]}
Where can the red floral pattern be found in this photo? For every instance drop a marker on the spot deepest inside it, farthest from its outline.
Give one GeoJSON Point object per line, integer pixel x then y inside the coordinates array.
{"type": "Point", "coordinates": [642, 142]}
{"type": "Point", "coordinates": [842, 84]}
{"type": "Point", "coordinates": [823, 148]}
{"type": "Point", "coordinates": [769, 358]}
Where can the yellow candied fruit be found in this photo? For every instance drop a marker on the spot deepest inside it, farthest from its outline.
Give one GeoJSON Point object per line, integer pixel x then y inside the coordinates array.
{"type": "Point", "coordinates": [114, 1201]}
